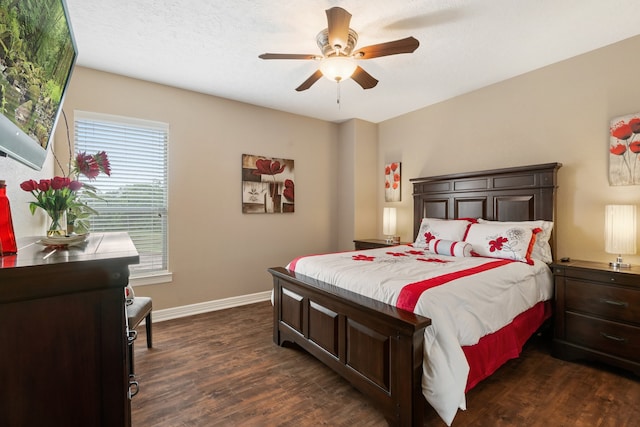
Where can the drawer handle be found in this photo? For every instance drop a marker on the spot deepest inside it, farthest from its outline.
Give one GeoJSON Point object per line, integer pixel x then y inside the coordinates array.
{"type": "Point", "coordinates": [612, 337]}
{"type": "Point", "coordinates": [616, 303]}
{"type": "Point", "coordinates": [134, 388]}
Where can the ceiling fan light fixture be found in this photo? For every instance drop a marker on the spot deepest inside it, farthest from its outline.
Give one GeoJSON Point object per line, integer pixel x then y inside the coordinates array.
{"type": "Point", "coordinates": [346, 46]}
{"type": "Point", "coordinates": [338, 68]}
{"type": "Point", "coordinates": [338, 61]}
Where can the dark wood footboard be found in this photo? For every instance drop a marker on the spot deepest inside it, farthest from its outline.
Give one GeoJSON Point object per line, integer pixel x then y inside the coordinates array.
{"type": "Point", "coordinates": [378, 348]}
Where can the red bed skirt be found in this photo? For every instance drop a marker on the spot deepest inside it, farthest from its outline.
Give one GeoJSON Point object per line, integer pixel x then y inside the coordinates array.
{"type": "Point", "coordinates": [493, 350]}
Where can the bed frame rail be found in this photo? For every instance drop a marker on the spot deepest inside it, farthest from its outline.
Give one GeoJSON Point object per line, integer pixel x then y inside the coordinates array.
{"type": "Point", "coordinates": [365, 341]}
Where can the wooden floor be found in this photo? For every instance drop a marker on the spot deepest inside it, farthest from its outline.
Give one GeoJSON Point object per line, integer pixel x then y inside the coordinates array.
{"type": "Point", "coordinates": [201, 372]}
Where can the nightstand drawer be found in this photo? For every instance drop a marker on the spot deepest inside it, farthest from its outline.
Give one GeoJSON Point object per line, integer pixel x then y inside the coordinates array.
{"type": "Point", "coordinates": [604, 336]}
{"type": "Point", "coordinates": [603, 301]}
{"type": "Point", "coordinates": [610, 276]}
{"type": "Point", "coordinates": [363, 244]}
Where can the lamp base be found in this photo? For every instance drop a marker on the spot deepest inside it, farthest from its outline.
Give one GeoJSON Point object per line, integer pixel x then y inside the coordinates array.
{"type": "Point", "coordinates": [619, 264]}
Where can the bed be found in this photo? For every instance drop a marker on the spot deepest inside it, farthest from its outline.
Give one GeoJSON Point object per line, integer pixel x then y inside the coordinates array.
{"type": "Point", "coordinates": [377, 346]}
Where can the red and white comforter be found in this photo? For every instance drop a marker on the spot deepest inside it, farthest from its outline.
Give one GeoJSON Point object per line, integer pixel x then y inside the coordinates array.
{"type": "Point", "coordinates": [465, 297]}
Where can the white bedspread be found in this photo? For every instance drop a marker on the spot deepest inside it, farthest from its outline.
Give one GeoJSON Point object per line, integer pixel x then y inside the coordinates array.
{"type": "Point", "coordinates": [462, 310]}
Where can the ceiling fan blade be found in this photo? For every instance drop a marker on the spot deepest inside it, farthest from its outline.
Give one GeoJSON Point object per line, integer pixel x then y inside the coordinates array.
{"type": "Point", "coordinates": [287, 56]}
{"type": "Point", "coordinates": [364, 79]}
{"type": "Point", "coordinates": [310, 81]}
{"type": "Point", "coordinates": [338, 21]}
{"type": "Point", "coordinates": [407, 45]}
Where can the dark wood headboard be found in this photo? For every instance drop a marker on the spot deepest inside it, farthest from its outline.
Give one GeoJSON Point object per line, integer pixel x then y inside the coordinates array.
{"type": "Point", "coordinates": [512, 194]}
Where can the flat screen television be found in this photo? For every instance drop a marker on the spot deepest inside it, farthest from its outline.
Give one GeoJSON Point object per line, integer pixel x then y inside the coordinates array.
{"type": "Point", "coordinates": [37, 56]}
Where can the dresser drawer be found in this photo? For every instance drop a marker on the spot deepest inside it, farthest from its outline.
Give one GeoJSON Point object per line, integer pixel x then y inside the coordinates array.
{"type": "Point", "coordinates": [610, 302]}
{"type": "Point", "coordinates": [604, 336]}
{"type": "Point", "coordinates": [611, 277]}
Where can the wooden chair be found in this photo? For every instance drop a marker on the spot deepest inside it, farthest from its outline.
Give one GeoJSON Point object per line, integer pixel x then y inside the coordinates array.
{"type": "Point", "coordinates": [137, 311]}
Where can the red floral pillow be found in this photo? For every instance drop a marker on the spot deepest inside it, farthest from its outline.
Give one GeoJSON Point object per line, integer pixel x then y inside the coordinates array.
{"type": "Point", "coordinates": [542, 248]}
{"type": "Point", "coordinates": [506, 241]}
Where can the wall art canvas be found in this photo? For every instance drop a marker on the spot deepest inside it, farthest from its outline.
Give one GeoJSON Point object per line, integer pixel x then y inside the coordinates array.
{"type": "Point", "coordinates": [392, 182]}
{"type": "Point", "coordinates": [624, 150]}
{"type": "Point", "coordinates": [267, 185]}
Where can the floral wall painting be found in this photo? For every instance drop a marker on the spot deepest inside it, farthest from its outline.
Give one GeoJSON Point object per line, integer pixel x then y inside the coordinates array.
{"type": "Point", "coordinates": [392, 182]}
{"type": "Point", "coordinates": [624, 150]}
{"type": "Point", "coordinates": [267, 185]}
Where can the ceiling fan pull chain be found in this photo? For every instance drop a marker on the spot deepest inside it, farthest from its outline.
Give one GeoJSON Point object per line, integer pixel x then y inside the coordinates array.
{"type": "Point", "coordinates": [338, 94]}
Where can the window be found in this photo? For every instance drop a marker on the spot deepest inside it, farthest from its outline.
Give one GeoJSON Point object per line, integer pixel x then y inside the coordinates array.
{"type": "Point", "coordinates": [135, 197]}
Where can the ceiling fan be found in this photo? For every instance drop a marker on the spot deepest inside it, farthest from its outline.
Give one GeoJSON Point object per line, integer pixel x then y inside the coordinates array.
{"type": "Point", "coordinates": [338, 59]}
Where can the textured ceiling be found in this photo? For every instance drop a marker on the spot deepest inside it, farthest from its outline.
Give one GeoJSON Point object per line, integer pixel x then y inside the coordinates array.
{"type": "Point", "coordinates": [212, 46]}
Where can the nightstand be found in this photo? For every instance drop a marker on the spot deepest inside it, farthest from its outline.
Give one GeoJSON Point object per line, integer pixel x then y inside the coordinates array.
{"type": "Point", "coordinates": [597, 313]}
{"type": "Point", "coordinates": [362, 244]}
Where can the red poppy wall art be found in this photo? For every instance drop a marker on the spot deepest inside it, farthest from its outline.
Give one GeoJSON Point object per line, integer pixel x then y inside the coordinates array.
{"type": "Point", "coordinates": [624, 150]}
{"type": "Point", "coordinates": [392, 182]}
{"type": "Point", "coordinates": [267, 185]}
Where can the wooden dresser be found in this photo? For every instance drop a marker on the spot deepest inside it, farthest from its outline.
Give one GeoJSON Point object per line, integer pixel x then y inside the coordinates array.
{"type": "Point", "coordinates": [63, 354]}
{"type": "Point", "coordinates": [597, 313]}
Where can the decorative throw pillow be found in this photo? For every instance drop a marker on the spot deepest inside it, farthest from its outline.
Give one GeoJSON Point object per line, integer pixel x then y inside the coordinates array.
{"type": "Point", "coordinates": [497, 240]}
{"type": "Point", "coordinates": [450, 247]}
{"type": "Point", "coordinates": [542, 248]}
{"type": "Point", "coordinates": [444, 229]}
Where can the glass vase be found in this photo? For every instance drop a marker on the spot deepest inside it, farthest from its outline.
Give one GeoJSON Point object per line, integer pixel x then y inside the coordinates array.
{"type": "Point", "coordinates": [57, 224]}
{"type": "Point", "coordinates": [7, 236]}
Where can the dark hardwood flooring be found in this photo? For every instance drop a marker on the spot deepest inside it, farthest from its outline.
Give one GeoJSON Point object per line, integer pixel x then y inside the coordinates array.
{"type": "Point", "coordinates": [204, 370]}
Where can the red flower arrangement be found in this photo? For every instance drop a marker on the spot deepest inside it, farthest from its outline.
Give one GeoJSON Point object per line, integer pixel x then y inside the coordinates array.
{"type": "Point", "coordinates": [91, 165]}
{"type": "Point", "coordinates": [58, 196]}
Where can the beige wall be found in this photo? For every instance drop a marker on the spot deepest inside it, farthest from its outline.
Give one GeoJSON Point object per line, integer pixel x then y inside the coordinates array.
{"type": "Point", "coordinates": [365, 214]}
{"type": "Point", "coordinates": [560, 113]}
{"type": "Point", "coordinates": [357, 172]}
{"type": "Point", "coordinates": [215, 251]}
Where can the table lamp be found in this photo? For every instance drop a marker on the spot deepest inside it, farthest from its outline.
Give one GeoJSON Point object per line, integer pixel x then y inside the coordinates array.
{"type": "Point", "coordinates": [620, 232]}
{"type": "Point", "coordinates": [389, 225]}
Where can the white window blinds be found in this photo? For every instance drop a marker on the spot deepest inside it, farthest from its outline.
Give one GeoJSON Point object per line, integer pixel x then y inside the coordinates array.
{"type": "Point", "coordinates": [135, 196]}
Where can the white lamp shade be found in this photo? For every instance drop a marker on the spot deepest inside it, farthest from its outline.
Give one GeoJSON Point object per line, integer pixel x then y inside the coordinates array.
{"type": "Point", "coordinates": [620, 229]}
{"type": "Point", "coordinates": [389, 222]}
{"type": "Point", "coordinates": [338, 68]}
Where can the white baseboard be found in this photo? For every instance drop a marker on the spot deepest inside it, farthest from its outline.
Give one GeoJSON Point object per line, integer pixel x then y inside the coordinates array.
{"type": "Point", "coordinates": [205, 307]}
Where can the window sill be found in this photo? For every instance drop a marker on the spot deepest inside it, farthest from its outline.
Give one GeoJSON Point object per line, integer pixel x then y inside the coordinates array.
{"type": "Point", "coordinates": [151, 279]}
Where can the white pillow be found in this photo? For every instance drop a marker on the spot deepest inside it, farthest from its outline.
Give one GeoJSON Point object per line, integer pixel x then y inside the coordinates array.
{"type": "Point", "coordinates": [497, 240]}
{"type": "Point", "coordinates": [542, 248]}
{"type": "Point", "coordinates": [444, 229]}
{"type": "Point", "coordinates": [450, 247]}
